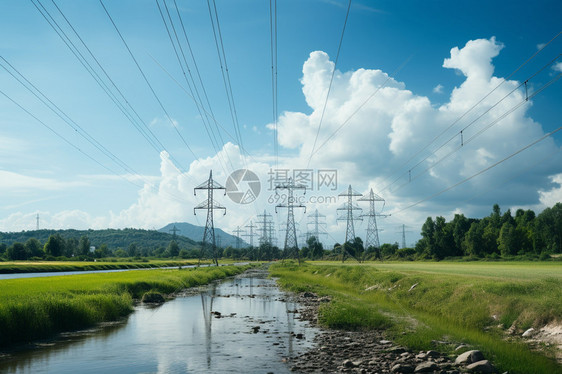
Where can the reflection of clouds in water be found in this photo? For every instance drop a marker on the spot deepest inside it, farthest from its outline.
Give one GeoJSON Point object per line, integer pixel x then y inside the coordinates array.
{"type": "Point", "coordinates": [183, 336]}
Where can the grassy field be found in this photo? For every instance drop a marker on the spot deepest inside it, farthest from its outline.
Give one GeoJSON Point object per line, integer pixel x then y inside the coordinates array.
{"type": "Point", "coordinates": [457, 302]}
{"type": "Point", "coordinates": [57, 266]}
{"type": "Point", "coordinates": [32, 308]}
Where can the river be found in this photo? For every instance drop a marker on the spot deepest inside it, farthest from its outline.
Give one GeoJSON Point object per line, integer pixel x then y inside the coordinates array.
{"type": "Point", "coordinates": [240, 325]}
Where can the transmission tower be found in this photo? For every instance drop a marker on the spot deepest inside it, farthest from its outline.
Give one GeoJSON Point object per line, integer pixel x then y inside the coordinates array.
{"type": "Point", "coordinates": [251, 226]}
{"type": "Point", "coordinates": [210, 204]}
{"type": "Point", "coordinates": [372, 238]}
{"type": "Point", "coordinates": [404, 231]}
{"type": "Point", "coordinates": [349, 208]}
{"type": "Point", "coordinates": [291, 246]}
{"type": "Point", "coordinates": [37, 221]}
{"type": "Point", "coordinates": [266, 228]}
{"type": "Point", "coordinates": [174, 230]}
{"type": "Point", "coordinates": [318, 227]}
{"type": "Point", "coordinates": [238, 231]}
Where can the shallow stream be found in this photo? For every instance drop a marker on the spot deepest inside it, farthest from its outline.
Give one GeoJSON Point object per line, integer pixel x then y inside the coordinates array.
{"type": "Point", "coordinates": [241, 325]}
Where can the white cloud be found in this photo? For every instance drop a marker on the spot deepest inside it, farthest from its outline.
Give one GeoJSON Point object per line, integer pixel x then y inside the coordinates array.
{"type": "Point", "coordinates": [12, 181]}
{"type": "Point", "coordinates": [372, 128]}
{"type": "Point", "coordinates": [541, 45]}
{"type": "Point", "coordinates": [557, 67]}
{"type": "Point", "coordinates": [438, 89]}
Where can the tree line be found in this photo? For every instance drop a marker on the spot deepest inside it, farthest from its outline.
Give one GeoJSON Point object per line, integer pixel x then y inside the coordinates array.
{"type": "Point", "coordinates": [497, 235]}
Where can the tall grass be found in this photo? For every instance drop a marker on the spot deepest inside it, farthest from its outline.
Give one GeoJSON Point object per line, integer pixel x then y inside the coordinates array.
{"type": "Point", "coordinates": [32, 308]}
{"type": "Point", "coordinates": [463, 304]}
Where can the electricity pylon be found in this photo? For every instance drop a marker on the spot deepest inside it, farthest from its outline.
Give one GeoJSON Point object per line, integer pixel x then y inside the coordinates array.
{"type": "Point", "coordinates": [251, 226]}
{"type": "Point", "coordinates": [404, 231]}
{"type": "Point", "coordinates": [266, 228]}
{"type": "Point", "coordinates": [318, 228]}
{"type": "Point", "coordinates": [349, 208]}
{"type": "Point", "coordinates": [238, 231]}
{"type": "Point", "coordinates": [210, 204]}
{"type": "Point", "coordinates": [291, 246]}
{"type": "Point", "coordinates": [174, 230]}
{"type": "Point", "coordinates": [372, 238]}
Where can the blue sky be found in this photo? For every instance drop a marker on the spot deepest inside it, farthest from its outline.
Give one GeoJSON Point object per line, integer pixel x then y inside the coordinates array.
{"type": "Point", "coordinates": [407, 40]}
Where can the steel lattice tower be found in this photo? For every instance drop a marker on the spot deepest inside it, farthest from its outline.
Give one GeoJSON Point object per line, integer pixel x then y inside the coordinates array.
{"type": "Point", "coordinates": [349, 207]}
{"type": "Point", "coordinates": [291, 245]}
{"type": "Point", "coordinates": [210, 204]}
{"type": "Point", "coordinates": [251, 226]}
{"type": "Point", "coordinates": [238, 231]}
{"type": "Point", "coordinates": [372, 238]}
{"type": "Point", "coordinates": [266, 228]}
{"type": "Point", "coordinates": [318, 227]}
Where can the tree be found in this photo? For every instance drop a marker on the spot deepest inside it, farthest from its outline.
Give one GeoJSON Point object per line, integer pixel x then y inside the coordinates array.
{"type": "Point", "coordinates": [3, 248]}
{"type": "Point", "coordinates": [173, 249]}
{"type": "Point", "coordinates": [473, 243]}
{"type": "Point", "coordinates": [54, 245]}
{"type": "Point", "coordinates": [508, 240]}
{"type": "Point", "coordinates": [84, 246]}
{"type": "Point", "coordinates": [315, 247]}
{"type": "Point", "coordinates": [34, 248]}
{"type": "Point", "coordinates": [133, 250]}
{"type": "Point", "coordinates": [71, 248]}
{"type": "Point", "coordinates": [17, 252]}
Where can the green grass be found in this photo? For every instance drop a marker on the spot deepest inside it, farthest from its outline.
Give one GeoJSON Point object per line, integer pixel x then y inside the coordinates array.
{"type": "Point", "coordinates": [57, 266]}
{"type": "Point", "coordinates": [451, 301]}
{"type": "Point", "coordinates": [32, 308]}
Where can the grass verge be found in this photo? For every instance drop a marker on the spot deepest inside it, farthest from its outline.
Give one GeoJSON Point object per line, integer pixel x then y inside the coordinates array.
{"type": "Point", "coordinates": [448, 303]}
{"type": "Point", "coordinates": [58, 266]}
{"type": "Point", "coordinates": [34, 308]}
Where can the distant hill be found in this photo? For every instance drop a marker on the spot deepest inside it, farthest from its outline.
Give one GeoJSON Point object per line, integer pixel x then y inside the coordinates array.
{"type": "Point", "coordinates": [196, 233]}
{"type": "Point", "coordinates": [113, 238]}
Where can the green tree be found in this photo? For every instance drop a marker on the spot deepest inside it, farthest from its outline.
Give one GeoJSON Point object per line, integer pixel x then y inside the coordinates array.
{"type": "Point", "coordinates": [3, 248]}
{"type": "Point", "coordinates": [54, 245]}
{"type": "Point", "coordinates": [473, 243]}
{"type": "Point", "coordinates": [84, 246]}
{"type": "Point", "coordinates": [16, 252]}
{"type": "Point", "coordinates": [34, 248]}
{"type": "Point", "coordinates": [71, 248]}
{"type": "Point", "coordinates": [133, 250]}
{"type": "Point", "coordinates": [508, 240]}
{"type": "Point", "coordinates": [173, 249]}
{"type": "Point", "coordinates": [315, 247]}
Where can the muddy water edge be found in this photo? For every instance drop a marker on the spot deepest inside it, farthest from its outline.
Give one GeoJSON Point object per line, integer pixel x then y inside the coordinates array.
{"type": "Point", "coordinates": [243, 324]}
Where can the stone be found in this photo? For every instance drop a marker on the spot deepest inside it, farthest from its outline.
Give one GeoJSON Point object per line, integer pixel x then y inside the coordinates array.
{"type": "Point", "coordinates": [433, 354]}
{"type": "Point", "coordinates": [469, 357]}
{"type": "Point", "coordinates": [385, 342]}
{"type": "Point", "coordinates": [397, 350]}
{"type": "Point", "coordinates": [426, 367]}
{"type": "Point", "coordinates": [482, 366]}
{"type": "Point", "coordinates": [401, 368]}
{"type": "Point", "coordinates": [529, 333]}
{"type": "Point", "coordinates": [348, 364]}
{"type": "Point", "coordinates": [462, 346]}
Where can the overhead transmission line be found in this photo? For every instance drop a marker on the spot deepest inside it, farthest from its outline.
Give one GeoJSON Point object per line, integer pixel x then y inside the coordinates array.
{"type": "Point", "coordinates": [190, 81]}
{"type": "Point", "coordinates": [274, 92]}
{"type": "Point", "coordinates": [344, 123]}
{"type": "Point", "coordinates": [117, 98]}
{"type": "Point", "coordinates": [478, 133]}
{"type": "Point", "coordinates": [503, 80]}
{"type": "Point", "coordinates": [215, 23]}
{"type": "Point", "coordinates": [481, 171]}
{"type": "Point", "coordinates": [330, 85]}
{"type": "Point", "coordinates": [147, 81]}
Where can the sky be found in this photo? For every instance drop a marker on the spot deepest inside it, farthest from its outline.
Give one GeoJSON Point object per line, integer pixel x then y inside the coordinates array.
{"type": "Point", "coordinates": [440, 107]}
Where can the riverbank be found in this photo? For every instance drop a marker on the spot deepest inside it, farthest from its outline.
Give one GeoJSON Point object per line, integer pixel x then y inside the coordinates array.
{"type": "Point", "coordinates": [35, 308]}
{"type": "Point", "coordinates": [66, 266]}
{"type": "Point", "coordinates": [435, 309]}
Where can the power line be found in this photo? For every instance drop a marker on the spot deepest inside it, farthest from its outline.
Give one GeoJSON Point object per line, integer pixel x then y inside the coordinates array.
{"type": "Point", "coordinates": [330, 85]}
{"type": "Point", "coordinates": [146, 80]}
{"type": "Point", "coordinates": [481, 171]}
{"type": "Point", "coordinates": [144, 130]}
{"type": "Point", "coordinates": [479, 102]}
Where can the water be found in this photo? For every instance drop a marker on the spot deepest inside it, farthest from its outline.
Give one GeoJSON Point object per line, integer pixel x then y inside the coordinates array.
{"type": "Point", "coordinates": [256, 331]}
{"type": "Point", "coordinates": [59, 273]}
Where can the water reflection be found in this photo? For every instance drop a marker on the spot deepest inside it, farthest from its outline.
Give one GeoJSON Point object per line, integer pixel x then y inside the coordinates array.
{"type": "Point", "coordinates": [241, 325]}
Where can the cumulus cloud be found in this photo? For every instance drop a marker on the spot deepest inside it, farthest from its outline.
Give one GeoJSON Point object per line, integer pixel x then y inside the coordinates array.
{"type": "Point", "coordinates": [377, 134]}
{"type": "Point", "coordinates": [438, 89]}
